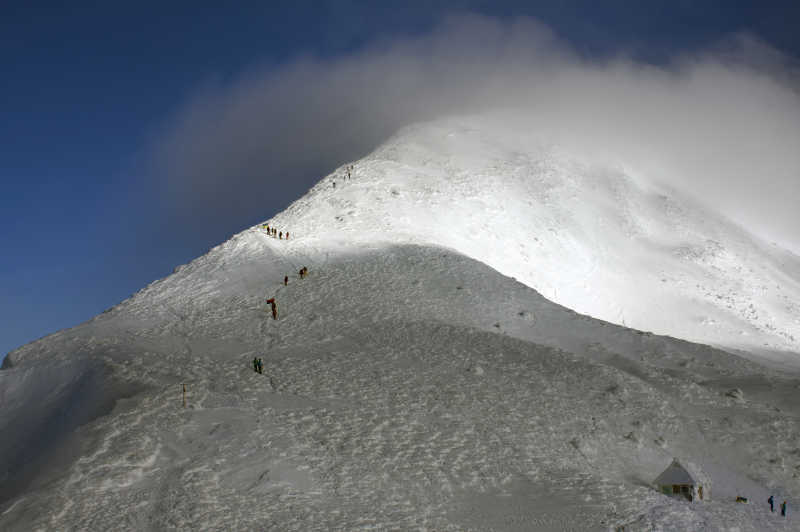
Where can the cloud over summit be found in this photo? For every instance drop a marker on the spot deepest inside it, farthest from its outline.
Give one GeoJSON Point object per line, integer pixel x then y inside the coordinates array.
{"type": "Point", "coordinates": [724, 123]}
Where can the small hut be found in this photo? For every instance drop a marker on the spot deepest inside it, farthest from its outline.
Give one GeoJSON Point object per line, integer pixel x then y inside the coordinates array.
{"type": "Point", "coordinates": [684, 481]}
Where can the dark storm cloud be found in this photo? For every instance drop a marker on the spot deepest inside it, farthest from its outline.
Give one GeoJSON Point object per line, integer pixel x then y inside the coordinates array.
{"type": "Point", "coordinates": [724, 123]}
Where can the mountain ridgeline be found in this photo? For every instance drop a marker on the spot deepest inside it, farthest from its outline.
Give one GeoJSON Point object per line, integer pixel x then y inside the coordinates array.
{"type": "Point", "coordinates": [489, 336]}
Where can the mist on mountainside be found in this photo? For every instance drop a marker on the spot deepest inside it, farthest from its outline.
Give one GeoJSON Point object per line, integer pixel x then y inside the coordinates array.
{"type": "Point", "coordinates": [722, 124]}
{"type": "Point", "coordinates": [590, 235]}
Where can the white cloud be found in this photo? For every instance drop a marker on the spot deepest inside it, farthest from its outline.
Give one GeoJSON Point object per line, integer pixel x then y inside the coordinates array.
{"type": "Point", "coordinates": [724, 124]}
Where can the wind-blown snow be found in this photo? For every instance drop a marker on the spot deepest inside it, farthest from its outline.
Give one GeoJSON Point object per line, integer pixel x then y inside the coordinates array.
{"type": "Point", "coordinates": [586, 234]}
{"type": "Point", "coordinates": [407, 385]}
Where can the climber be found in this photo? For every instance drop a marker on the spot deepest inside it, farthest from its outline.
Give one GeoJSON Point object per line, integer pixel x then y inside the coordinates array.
{"type": "Point", "coordinates": [260, 365]}
{"type": "Point", "coordinates": [271, 302]}
{"type": "Point", "coordinates": [280, 235]}
{"type": "Point", "coordinates": [255, 365]}
{"type": "Point", "coordinates": [287, 235]}
{"type": "Point", "coordinates": [771, 502]}
{"type": "Point", "coordinates": [285, 280]}
{"type": "Point", "coordinates": [783, 508]}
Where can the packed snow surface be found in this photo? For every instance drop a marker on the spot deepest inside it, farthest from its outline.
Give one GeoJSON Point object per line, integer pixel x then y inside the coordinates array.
{"type": "Point", "coordinates": [408, 383]}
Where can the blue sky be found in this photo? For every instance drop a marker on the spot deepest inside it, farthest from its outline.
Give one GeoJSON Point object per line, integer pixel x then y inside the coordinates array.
{"type": "Point", "coordinates": [88, 90]}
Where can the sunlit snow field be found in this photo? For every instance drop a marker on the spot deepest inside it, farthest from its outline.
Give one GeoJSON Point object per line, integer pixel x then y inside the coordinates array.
{"type": "Point", "coordinates": [585, 234]}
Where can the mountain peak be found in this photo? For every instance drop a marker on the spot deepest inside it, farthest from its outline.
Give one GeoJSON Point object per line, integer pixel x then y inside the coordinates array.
{"type": "Point", "coordinates": [587, 232]}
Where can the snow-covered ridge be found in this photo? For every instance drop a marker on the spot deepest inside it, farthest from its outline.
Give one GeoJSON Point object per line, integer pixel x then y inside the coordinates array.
{"type": "Point", "coordinates": [586, 235]}
{"type": "Point", "coordinates": [411, 387]}
{"type": "Point", "coordinates": [404, 388]}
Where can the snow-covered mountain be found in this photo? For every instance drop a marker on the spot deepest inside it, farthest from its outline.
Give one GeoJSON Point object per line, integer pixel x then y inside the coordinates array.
{"type": "Point", "coordinates": [587, 235]}
{"type": "Point", "coordinates": [410, 382]}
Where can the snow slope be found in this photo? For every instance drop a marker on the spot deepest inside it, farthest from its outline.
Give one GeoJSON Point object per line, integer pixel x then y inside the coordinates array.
{"type": "Point", "coordinates": [585, 234]}
{"type": "Point", "coordinates": [405, 387]}
{"type": "Point", "coordinates": [408, 385]}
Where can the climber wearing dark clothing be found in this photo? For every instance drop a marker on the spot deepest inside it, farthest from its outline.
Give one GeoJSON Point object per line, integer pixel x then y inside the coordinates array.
{"type": "Point", "coordinates": [285, 280]}
{"type": "Point", "coordinates": [783, 508]}
{"type": "Point", "coordinates": [255, 365]}
{"type": "Point", "coordinates": [771, 501]}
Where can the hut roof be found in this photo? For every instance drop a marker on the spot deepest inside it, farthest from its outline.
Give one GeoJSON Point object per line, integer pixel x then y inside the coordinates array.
{"type": "Point", "coordinates": [676, 473]}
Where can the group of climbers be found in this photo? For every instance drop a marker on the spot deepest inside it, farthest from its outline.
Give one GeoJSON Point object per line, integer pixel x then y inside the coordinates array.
{"type": "Point", "coordinates": [271, 301]}
{"type": "Point", "coordinates": [271, 231]}
{"type": "Point", "coordinates": [771, 502]}
{"type": "Point", "coordinates": [258, 367]}
{"type": "Point", "coordinates": [347, 176]}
